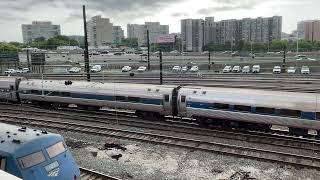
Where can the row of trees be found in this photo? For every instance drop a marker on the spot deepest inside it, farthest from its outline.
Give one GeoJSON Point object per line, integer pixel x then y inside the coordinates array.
{"type": "Point", "coordinates": [40, 43]}
{"type": "Point", "coordinates": [264, 47]}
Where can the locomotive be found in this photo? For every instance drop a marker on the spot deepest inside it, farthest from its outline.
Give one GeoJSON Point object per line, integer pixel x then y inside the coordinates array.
{"type": "Point", "coordinates": [226, 107]}
{"type": "Point", "coordinates": [33, 154]}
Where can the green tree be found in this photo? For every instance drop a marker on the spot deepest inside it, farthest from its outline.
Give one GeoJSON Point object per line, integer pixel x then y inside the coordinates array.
{"type": "Point", "coordinates": [130, 42]}
{"type": "Point", "coordinates": [8, 47]}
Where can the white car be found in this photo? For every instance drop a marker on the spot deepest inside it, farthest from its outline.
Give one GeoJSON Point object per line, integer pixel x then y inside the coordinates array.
{"type": "Point", "coordinates": [176, 68]}
{"type": "Point", "coordinates": [25, 70]}
{"type": "Point", "coordinates": [126, 69]}
{"type": "Point", "coordinates": [246, 69]}
{"type": "Point", "coordinates": [142, 69]}
{"type": "Point", "coordinates": [184, 69]}
{"type": "Point", "coordinates": [277, 70]}
{"type": "Point", "coordinates": [74, 70]}
{"type": "Point", "coordinates": [256, 69]}
{"type": "Point", "coordinates": [194, 69]}
{"type": "Point", "coordinates": [96, 68]}
{"type": "Point", "coordinates": [227, 69]}
{"type": "Point", "coordinates": [311, 59]}
{"type": "Point", "coordinates": [236, 69]}
{"type": "Point", "coordinates": [10, 71]}
{"type": "Point", "coordinates": [305, 70]}
{"type": "Point", "coordinates": [291, 70]}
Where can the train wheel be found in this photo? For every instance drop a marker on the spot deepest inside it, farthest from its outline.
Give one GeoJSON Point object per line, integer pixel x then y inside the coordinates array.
{"type": "Point", "coordinates": [298, 132]}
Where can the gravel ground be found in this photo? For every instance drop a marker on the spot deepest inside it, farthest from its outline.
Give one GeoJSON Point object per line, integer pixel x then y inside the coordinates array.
{"type": "Point", "coordinates": [135, 160]}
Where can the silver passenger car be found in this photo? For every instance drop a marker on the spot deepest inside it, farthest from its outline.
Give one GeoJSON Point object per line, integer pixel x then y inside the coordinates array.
{"type": "Point", "coordinates": [141, 97]}
{"type": "Point", "coordinates": [293, 110]}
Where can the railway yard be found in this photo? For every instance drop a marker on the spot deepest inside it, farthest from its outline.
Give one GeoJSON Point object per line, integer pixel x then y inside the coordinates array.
{"type": "Point", "coordinates": [117, 143]}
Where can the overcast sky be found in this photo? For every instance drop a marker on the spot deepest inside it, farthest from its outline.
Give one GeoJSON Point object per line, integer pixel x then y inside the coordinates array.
{"type": "Point", "coordinates": [68, 13]}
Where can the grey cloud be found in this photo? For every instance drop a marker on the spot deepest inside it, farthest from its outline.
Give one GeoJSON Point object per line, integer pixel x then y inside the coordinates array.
{"type": "Point", "coordinates": [179, 14]}
{"type": "Point", "coordinates": [228, 5]}
{"type": "Point", "coordinates": [72, 9]}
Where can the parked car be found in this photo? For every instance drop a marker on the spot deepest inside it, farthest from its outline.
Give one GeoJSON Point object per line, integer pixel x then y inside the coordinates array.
{"type": "Point", "coordinates": [256, 69]}
{"type": "Point", "coordinates": [96, 68]}
{"type": "Point", "coordinates": [10, 71]}
{"type": "Point", "coordinates": [311, 59]}
{"type": "Point", "coordinates": [142, 69]}
{"type": "Point", "coordinates": [246, 69]}
{"type": "Point", "coordinates": [305, 70]}
{"type": "Point", "coordinates": [236, 69]}
{"type": "Point", "coordinates": [75, 70]}
{"type": "Point", "coordinates": [176, 68]}
{"type": "Point", "coordinates": [291, 70]}
{"type": "Point", "coordinates": [126, 69]}
{"type": "Point", "coordinates": [184, 69]}
{"type": "Point", "coordinates": [194, 69]}
{"type": "Point", "coordinates": [118, 53]}
{"type": "Point", "coordinates": [227, 69]}
{"type": "Point", "coordinates": [277, 70]}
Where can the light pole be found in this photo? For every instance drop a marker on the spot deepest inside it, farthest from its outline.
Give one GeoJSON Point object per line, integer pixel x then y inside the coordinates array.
{"type": "Point", "coordinates": [297, 43]}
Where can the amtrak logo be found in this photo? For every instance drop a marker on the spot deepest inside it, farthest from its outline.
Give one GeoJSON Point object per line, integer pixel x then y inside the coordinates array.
{"type": "Point", "coordinates": [54, 173]}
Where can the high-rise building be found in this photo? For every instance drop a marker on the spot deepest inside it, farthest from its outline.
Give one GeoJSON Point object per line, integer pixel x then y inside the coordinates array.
{"type": "Point", "coordinates": [192, 34]}
{"type": "Point", "coordinates": [136, 31]}
{"type": "Point", "coordinates": [140, 32]}
{"type": "Point", "coordinates": [39, 29]}
{"type": "Point", "coordinates": [117, 35]}
{"type": "Point", "coordinates": [99, 31]}
{"type": "Point", "coordinates": [209, 30]}
{"type": "Point", "coordinates": [259, 30]}
{"type": "Point", "coordinates": [309, 30]}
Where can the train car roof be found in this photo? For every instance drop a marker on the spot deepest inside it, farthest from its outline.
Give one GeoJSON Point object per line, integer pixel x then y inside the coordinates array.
{"type": "Point", "coordinates": [97, 85]}
{"type": "Point", "coordinates": [7, 176]}
{"type": "Point", "coordinates": [14, 138]}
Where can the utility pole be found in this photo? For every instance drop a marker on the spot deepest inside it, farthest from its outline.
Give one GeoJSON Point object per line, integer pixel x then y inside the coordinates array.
{"type": "Point", "coordinates": [284, 59]}
{"type": "Point", "coordinates": [28, 60]}
{"type": "Point", "coordinates": [209, 63]}
{"type": "Point", "coordinates": [86, 51]}
{"type": "Point", "coordinates": [160, 55]}
{"type": "Point", "coordinates": [148, 41]}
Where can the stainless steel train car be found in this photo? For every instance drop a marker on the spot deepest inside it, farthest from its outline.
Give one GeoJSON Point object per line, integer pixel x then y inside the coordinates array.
{"type": "Point", "coordinates": [148, 100]}
{"type": "Point", "coordinates": [251, 108]}
{"type": "Point", "coordinates": [227, 107]}
{"type": "Point", "coordinates": [9, 89]}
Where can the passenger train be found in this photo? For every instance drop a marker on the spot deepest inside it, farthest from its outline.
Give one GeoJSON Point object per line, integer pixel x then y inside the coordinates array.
{"type": "Point", "coordinates": [32, 154]}
{"type": "Point", "coordinates": [226, 107]}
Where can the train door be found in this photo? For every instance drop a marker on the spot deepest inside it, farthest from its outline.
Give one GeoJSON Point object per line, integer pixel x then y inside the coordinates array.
{"type": "Point", "coordinates": [3, 163]}
{"type": "Point", "coordinates": [166, 104]}
{"type": "Point", "coordinates": [182, 105]}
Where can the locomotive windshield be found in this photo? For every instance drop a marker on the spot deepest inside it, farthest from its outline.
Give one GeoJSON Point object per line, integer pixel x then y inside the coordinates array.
{"type": "Point", "coordinates": [31, 160]}
{"type": "Point", "coordinates": [56, 149]}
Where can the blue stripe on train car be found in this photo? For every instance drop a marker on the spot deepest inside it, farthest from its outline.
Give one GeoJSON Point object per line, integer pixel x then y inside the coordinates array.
{"type": "Point", "coordinates": [308, 115]}
{"type": "Point", "coordinates": [201, 105]}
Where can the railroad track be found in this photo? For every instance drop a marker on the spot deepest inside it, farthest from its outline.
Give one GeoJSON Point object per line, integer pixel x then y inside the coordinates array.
{"type": "Point", "coordinates": [86, 174]}
{"type": "Point", "coordinates": [171, 125]}
{"type": "Point", "coordinates": [309, 159]}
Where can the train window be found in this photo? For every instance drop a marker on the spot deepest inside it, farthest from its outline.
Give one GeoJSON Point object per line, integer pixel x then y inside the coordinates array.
{"type": "Point", "coordinates": [54, 93]}
{"type": "Point", "coordinates": [166, 98]}
{"type": "Point", "coordinates": [36, 92]}
{"type": "Point", "coordinates": [134, 99]}
{"type": "Point", "coordinates": [31, 160]}
{"type": "Point", "coordinates": [194, 92]}
{"type": "Point", "coordinates": [204, 92]}
{"type": "Point", "coordinates": [2, 90]}
{"type": "Point", "coordinates": [242, 108]}
{"type": "Point", "coordinates": [65, 94]}
{"type": "Point", "coordinates": [290, 113]}
{"type": "Point", "coordinates": [56, 149]}
{"type": "Point", "coordinates": [183, 99]}
{"type": "Point", "coordinates": [221, 106]}
{"type": "Point", "coordinates": [265, 110]}
{"type": "Point", "coordinates": [120, 98]}
{"type": "Point", "coordinates": [2, 163]}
